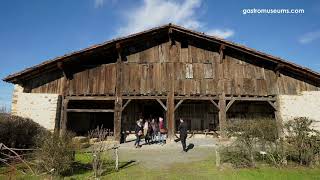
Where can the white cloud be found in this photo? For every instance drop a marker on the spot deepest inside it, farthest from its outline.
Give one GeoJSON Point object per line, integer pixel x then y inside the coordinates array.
{"type": "Point", "coordinates": [152, 13]}
{"type": "Point", "coordinates": [98, 3]}
{"type": "Point", "coordinates": [221, 33]}
{"type": "Point", "coordinates": [101, 3]}
{"type": "Point", "coordinates": [158, 12]}
{"type": "Point", "coordinates": [309, 37]}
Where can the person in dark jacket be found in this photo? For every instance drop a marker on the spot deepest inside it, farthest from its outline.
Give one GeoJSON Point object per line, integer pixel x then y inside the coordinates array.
{"type": "Point", "coordinates": [138, 132]}
{"type": "Point", "coordinates": [183, 134]}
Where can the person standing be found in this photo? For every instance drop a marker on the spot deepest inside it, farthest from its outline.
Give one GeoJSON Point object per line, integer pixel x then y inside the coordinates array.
{"type": "Point", "coordinates": [183, 134]}
{"type": "Point", "coordinates": [163, 131]}
{"type": "Point", "coordinates": [138, 132]}
{"type": "Point", "coordinates": [146, 131]}
{"type": "Point", "coordinates": [155, 130]}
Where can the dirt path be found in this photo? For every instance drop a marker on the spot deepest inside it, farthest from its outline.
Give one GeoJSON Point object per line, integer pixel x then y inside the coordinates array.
{"type": "Point", "coordinates": [159, 157]}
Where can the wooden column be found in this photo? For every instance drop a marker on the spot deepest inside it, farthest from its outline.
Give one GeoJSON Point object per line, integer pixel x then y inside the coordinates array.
{"type": "Point", "coordinates": [222, 114]}
{"type": "Point", "coordinates": [170, 97]}
{"type": "Point", "coordinates": [59, 109]}
{"type": "Point", "coordinates": [64, 101]}
{"type": "Point", "coordinates": [64, 116]}
{"type": "Point", "coordinates": [170, 116]}
{"type": "Point", "coordinates": [118, 100]}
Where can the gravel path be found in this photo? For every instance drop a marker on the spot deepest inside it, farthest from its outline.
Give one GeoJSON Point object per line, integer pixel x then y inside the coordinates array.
{"type": "Point", "coordinates": [156, 156]}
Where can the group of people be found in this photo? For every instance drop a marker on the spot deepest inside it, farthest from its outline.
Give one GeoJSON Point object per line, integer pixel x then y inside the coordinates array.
{"type": "Point", "coordinates": [153, 131]}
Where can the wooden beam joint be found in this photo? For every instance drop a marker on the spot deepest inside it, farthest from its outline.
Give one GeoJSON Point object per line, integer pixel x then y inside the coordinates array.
{"type": "Point", "coordinates": [125, 104]}
{"type": "Point", "coordinates": [178, 104]}
{"type": "Point", "coordinates": [215, 104]}
{"type": "Point", "coordinates": [273, 104]}
{"type": "Point", "coordinates": [230, 104]}
{"type": "Point", "coordinates": [161, 103]}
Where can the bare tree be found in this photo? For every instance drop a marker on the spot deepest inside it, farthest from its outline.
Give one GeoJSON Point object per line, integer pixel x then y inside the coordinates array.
{"type": "Point", "coordinates": [98, 149]}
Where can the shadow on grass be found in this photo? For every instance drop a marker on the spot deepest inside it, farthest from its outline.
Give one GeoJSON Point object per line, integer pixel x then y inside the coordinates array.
{"type": "Point", "coordinates": [83, 168]}
{"type": "Point", "coordinates": [122, 165]}
{"type": "Point", "coordinates": [80, 168]}
{"type": "Point", "coordinates": [127, 164]}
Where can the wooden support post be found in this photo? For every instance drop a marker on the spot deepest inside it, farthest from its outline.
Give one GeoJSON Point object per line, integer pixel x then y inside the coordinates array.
{"type": "Point", "coordinates": [64, 117]}
{"type": "Point", "coordinates": [117, 158]}
{"type": "Point", "coordinates": [170, 115]}
{"type": "Point", "coordinates": [222, 114]}
{"type": "Point", "coordinates": [170, 96]}
{"type": "Point", "coordinates": [57, 125]}
{"type": "Point", "coordinates": [118, 100]}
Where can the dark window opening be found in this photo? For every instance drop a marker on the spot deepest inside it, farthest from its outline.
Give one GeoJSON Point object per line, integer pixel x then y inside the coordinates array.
{"type": "Point", "coordinates": [184, 44]}
{"type": "Point", "coordinates": [82, 122]}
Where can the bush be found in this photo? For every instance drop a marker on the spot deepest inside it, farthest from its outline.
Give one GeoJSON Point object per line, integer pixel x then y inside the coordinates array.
{"type": "Point", "coordinates": [18, 132]}
{"type": "Point", "coordinates": [257, 140]}
{"type": "Point", "coordinates": [252, 136]}
{"type": "Point", "coordinates": [55, 154]}
{"type": "Point", "coordinates": [303, 141]}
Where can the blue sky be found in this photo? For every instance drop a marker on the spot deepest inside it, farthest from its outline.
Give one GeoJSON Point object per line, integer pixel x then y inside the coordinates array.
{"type": "Point", "coordinates": [37, 30]}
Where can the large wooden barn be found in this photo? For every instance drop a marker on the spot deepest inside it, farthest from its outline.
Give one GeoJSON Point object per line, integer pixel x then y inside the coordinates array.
{"type": "Point", "coordinates": [167, 71]}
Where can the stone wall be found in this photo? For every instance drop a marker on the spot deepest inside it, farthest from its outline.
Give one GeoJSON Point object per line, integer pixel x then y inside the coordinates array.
{"type": "Point", "coordinates": [41, 108]}
{"type": "Point", "coordinates": [16, 91]}
{"type": "Point", "coordinates": [306, 104]}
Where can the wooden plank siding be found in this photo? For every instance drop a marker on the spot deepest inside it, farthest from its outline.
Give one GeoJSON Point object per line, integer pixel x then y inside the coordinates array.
{"type": "Point", "coordinates": [147, 72]}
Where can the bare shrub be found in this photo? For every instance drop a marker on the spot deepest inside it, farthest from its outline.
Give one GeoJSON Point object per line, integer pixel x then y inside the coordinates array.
{"type": "Point", "coordinates": [303, 141]}
{"type": "Point", "coordinates": [18, 132]}
{"type": "Point", "coordinates": [257, 140]}
{"type": "Point", "coordinates": [252, 136]}
{"type": "Point", "coordinates": [55, 154]}
{"type": "Point", "coordinates": [99, 157]}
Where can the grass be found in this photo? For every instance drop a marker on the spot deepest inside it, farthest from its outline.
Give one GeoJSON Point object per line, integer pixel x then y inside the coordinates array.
{"type": "Point", "coordinates": [196, 170]}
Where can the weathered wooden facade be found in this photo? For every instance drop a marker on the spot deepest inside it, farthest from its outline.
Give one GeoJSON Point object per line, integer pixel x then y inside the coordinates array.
{"type": "Point", "coordinates": [167, 71]}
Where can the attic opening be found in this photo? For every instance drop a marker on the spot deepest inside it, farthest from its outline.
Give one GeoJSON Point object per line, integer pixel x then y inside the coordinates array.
{"type": "Point", "coordinates": [82, 122]}
{"type": "Point", "coordinates": [241, 110]}
{"type": "Point", "coordinates": [86, 115]}
{"type": "Point", "coordinates": [200, 115]}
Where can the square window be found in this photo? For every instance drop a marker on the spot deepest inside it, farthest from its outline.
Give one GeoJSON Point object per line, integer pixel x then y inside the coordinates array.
{"type": "Point", "coordinates": [189, 71]}
{"type": "Point", "coordinates": [208, 71]}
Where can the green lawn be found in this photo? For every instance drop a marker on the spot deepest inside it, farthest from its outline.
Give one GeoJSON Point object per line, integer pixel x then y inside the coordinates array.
{"type": "Point", "coordinates": [195, 170]}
